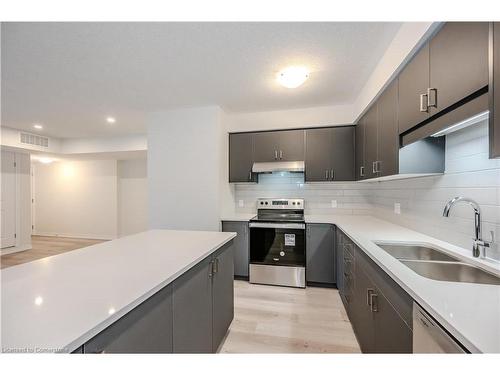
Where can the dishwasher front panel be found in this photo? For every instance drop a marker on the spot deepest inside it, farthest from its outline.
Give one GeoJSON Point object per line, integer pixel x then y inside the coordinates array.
{"type": "Point", "coordinates": [429, 337]}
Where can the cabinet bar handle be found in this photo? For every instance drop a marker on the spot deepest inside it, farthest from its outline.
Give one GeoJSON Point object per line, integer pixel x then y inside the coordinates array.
{"type": "Point", "coordinates": [373, 302]}
{"type": "Point", "coordinates": [332, 174]}
{"type": "Point", "coordinates": [423, 103]}
{"type": "Point", "coordinates": [374, 168]}
{"type": "Point", "coordinates": [369, 293]}
{"type": "Point", "coordinates": [326, 174]}
{"type": "Point", "coordinates": [281, 154]}
{"type": "Point", "coordinates": [211, 269]}
{"type": "Point", "coordinates": [275, 154]}
{"type": "Point", "coordinates": [432, 97]}
{"type": "Point", "coordinates": [250, 176]}
{"type": "Point", "coordinates": [362, 171]}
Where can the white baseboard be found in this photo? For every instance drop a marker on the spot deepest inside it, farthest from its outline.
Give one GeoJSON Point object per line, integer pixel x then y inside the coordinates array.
{"type": "Point", "coordinates": [14, 249]}
{"type": "Point", "coordinates": [75, 235]}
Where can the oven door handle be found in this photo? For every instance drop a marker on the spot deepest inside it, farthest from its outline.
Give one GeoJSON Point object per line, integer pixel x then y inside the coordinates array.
{"type": "Point", "coordinates": [278, 225]}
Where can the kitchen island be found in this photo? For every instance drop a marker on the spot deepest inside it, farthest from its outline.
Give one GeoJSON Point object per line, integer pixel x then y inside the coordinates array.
{"type": "Point", "coordinates": [156, 291]}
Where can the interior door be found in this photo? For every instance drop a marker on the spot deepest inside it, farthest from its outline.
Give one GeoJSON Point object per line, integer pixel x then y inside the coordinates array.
{"type": "Point", "coordinates": [458, 62]}
{"type": "Point", "coordinates": [343, 153]}
{"type": "Point", "coordinates": [291, 145]}
{"type": "Point", "coordinates": [413, 82]}
{"type": "Point", "coordinates": [388, 135]}
{"type": "Point", "coordinates": [318, 154]}
{"type": "Point", "coordinates": [8, 200]}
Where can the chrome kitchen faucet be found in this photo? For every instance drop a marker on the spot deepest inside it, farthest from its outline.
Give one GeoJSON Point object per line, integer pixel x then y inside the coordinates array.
{"type": "Point", "coordinates": [477, 243]}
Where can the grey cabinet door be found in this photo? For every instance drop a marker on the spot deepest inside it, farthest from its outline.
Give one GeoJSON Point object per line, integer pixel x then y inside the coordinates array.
{"type": "Point", "coordinates": [320, 253]}
{"type": "Point", "coordinates": [266, 146]}
{"type": "Point", "coordinates": [388, 135]}
{"type": "Point", "coordinates": [192, 310]}
{"type": "Point", "coordinates": [360, 149]}
{"type": "Point", "coordinates": [413, 82]}
{"type": "Point", "coordinates": [241, 246]}
{"type": "Point", "coordinates": [145, 329]}
{"type": "Point", "coordinates": [494, 90]}
{"type": "Point", "coordinates": [291, 145]}
{"type": "Point", "coordinates": [392, 335]}
{"type": "Point", "coordinates": [342, 153]}
{"type": "Point", "coordinates": [362, 318]}
{"type": "Point", "coordinates": [223, 294]}
{"type": "Point", "coordinates": [458, 62]}
{"type": "Point", "coordinates": [339, 261]}
{"type": "Point", "coordinates": [241, 157]}
{"type": "Point", "coordinates": [318, 159]}
{"type": "Point", "coordinates": [371, 145]}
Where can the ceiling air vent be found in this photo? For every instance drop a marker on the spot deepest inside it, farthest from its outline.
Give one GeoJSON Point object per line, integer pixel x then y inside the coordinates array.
{"type": "Point", "coordinates": [35, 140]}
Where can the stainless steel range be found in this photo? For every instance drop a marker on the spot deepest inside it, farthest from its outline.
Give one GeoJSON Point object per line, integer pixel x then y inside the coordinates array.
{"type": "Point", "coordinates": [278, 244]}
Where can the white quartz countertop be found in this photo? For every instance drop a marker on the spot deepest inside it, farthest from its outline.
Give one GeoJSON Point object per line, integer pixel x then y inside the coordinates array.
{"type": "Point", "coordinates": [470, 312]}
{"type": "Point", "coordinates": [238, 217]}
{"type": "Point", "coordinates": [58, 303]}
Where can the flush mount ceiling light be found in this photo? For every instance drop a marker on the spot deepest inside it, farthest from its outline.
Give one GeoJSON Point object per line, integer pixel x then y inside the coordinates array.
{"type": "Point", "coordinates": [293, 76]}
{"type": "Point", "coordinates": [38, 126]}
{"type": "Point", "coordinates": [110, 120]}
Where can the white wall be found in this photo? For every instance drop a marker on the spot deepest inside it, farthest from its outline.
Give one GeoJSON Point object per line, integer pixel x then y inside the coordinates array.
{"type": "Point", "coordinates": [76, 198]}
{"type": "Point", "coordinates": [184, 169]}
{"type": "Point", "coordinates": [132, 196]}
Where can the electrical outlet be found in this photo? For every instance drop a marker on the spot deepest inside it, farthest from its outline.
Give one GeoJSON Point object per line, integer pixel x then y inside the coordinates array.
{"type": "Point", "coordinates": [397, 208]}
{"type": "Point", "coordinates": [334, 203]}
{"type": "Point", "coordinates": [241, 203]}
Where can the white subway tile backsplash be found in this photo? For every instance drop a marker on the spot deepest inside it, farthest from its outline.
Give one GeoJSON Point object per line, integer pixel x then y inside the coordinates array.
{"type": "Point", "coordinates": [469, 173]}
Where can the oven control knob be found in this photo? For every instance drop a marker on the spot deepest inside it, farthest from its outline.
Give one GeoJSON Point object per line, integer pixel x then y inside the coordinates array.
{"type": "Point", "coordinates": [282, 253]}
{"type": "Point", "coordinates": [266, 203]}
{"type": "Point", "coordinates": [261, 202]}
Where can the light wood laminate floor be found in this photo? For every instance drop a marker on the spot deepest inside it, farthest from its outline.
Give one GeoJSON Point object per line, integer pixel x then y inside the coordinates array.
{"type": "Point", "coordinates": [270, 319]}
{"type": "Point", "coordinates": [45, 246]}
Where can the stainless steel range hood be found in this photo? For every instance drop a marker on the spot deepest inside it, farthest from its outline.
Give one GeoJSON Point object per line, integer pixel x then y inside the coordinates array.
{"type": "Point", "coordinates": [278, 166]}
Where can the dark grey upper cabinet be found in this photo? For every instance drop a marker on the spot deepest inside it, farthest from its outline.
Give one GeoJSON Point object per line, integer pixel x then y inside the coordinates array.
{"type": "Point", "coordinates": [458, 63]}
{"type": "Point", "coordinates": [318, 158]}
{"type": "Point", "coordinates": [266, 146]}
{"type": "Point", "coordinates": [330, 154]}
{"type": "Point", "coordinates": [494, 90]}
{"type": "Point", "coordinates": [371, 142]}
{"type": "Point", "coordinates": [387, 128]}
{"type": "Point", "coordinates": [360, 149]}
{"type": "Point", "coordinates": [320, 254]}
{"type": "Point", "coordinates": [241, 157]}
{"type": "Point", "coordinates": [413, 85]}
{"type": "Point", "coordinates": [240, 244]}
{"type": "Point", "coordinates": [286, 145]}
{"type": "Point", "coordinates": [192, 310]}
{"type": "Point", "coordinates": [145, 329]}
{"type": "Point", "coordinates": [223, 295]}
{"type": "Point", "coordinates": [291, 146]}
{"type": "Point", "coordinates": [343, 153]}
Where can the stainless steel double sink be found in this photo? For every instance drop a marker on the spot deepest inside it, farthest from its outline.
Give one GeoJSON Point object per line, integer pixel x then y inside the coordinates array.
{"type": "Point", "coordinates": [434, 264]}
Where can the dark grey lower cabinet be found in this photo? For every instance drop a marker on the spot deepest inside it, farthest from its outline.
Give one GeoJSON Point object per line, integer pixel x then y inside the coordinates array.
{"type": "Point", "coordinates": [223, 296]}
{"type": "Point", "coordinates": [320, 253]}
{"type": "Point", "coordinates": [190, 315]}
{"type": "Point", "coordinates": [145, 329]}
{"type": "Point", "coordinates": [241, 246]}
{"type": "Point", "coordinates": [379, 309]}
{"type": "Point", "coordinates": [192, 310]}
{"type": "Point", "coordinates": [203, 304]}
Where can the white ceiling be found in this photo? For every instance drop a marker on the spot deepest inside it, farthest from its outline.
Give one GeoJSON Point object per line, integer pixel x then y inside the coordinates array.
{"type": "Point", "coordinates": [70, 76]}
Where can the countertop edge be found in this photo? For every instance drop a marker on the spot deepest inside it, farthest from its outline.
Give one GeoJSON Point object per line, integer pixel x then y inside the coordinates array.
{"type": "Point", "coordinates": [75, 344]}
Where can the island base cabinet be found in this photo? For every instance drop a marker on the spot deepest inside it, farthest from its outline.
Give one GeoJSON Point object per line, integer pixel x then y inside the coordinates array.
{"type": "Point", "coordinates": [192, 310]}
{"type": "Point", "coordinates": [203, 304]}
{"type": "Point", "coordinates": [145, 329]}
{"type": "Point", "coordinates": [223, 296]}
